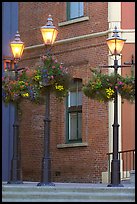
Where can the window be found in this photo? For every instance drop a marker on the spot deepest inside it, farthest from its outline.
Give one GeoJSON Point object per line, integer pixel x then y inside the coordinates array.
{"type": "Point", "coordinates": [74, 112]}
{"type": "Point", "coordinates": [75, 10]}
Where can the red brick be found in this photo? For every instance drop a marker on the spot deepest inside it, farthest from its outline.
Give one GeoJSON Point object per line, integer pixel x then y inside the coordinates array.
{"type": "Point", "coordinates": [79, 164]}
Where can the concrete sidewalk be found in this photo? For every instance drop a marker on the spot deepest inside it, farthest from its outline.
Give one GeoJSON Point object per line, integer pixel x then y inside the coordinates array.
{"type": "Point", "coordinates": [67, 192]}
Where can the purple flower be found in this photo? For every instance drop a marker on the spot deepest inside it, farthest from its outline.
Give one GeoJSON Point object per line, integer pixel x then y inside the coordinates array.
{"type": "Point", "coordinates": [116, 87]}
{"type": "Point", "coordinates": [120, 82]}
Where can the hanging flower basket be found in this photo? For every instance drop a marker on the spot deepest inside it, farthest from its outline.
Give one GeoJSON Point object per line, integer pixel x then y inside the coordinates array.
{"type": "Point", "coordinates": [33, 83]}
{"type": "Point", "coordinates": [52, 75]}
{"type": "Point", "coordinates": [102, 87]}
{"type": "Point", "coordinates": [23, 88]}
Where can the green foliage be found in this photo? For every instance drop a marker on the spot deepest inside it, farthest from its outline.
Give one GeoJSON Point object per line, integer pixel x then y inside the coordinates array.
{"type": "Point", "coordinates": [16, 90]}
{"type": "Point", "coordinates": [33, 83]}
{"type": "Point", "coordinates": [52, 75]}
{"type": "Point", "coordinates": [102, 87]}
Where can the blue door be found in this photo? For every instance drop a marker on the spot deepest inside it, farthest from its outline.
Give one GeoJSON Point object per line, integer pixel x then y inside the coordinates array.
{"type": "Point", "coordinates": [9, 29]}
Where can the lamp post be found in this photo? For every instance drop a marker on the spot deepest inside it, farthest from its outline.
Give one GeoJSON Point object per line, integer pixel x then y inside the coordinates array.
{"type": "Point", "coordinates": [115, 44]}
{"type": "Point", "coordinates": [49, 33]}
{"type": "Point", "coordinates": [17, 47]}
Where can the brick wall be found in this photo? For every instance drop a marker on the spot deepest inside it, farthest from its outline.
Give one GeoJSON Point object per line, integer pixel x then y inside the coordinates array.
{"type": "Point", "coordinates": [70, 164]}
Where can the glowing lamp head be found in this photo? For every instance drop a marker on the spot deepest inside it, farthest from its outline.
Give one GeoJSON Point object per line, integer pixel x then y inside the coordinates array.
{"type": "Point", "coordinates": [17, 46]}
{"type": "Point", "coordinates": [49, 32]}
{"type": "Point", "coordinates": [115, 43]}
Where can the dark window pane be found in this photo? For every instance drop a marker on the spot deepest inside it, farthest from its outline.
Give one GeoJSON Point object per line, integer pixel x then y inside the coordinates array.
{"type": "Point", "coordinates": [79, 125]}
{"type": "Point", "coordinates": [75, 126]}
{"type": "Point", "coordinates": [79, 98]}
{"type": "Point", "coordinates": [74, 111]}
{"type": "Point", "coordinates": [72, 126]}
{"type": "Point", "coordinates": [72, 99]}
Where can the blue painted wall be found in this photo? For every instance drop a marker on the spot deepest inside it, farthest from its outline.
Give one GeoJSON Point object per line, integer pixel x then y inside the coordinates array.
{"type": "Point", "coordinates": [9, 29]}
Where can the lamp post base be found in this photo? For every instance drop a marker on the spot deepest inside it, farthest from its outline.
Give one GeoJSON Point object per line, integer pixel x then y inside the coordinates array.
{"type": "Point", "coordinates": [16, 172]}
{"type": "Point", "coordinates": [115, 185]}
{"type": "Point", "coordinates": [45, 184]}
{"type": "Point", "coordinates": [115, 174]}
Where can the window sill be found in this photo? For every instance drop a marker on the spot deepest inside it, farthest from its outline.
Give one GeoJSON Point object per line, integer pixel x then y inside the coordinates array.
{"type": "Point", "coordinates": [86, 18]}
{"type": "Point", "coordinates": [85, 144]}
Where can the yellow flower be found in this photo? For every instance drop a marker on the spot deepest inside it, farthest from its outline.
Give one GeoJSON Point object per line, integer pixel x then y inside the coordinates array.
{"type": "Point", "coordinates": [21, 82]}
{"type": "Point", "coordinates": [25, 95]}
{"type": "Point", "coordinates": [37, 77]}
{"type": "Point", "coordinates": [59, 87]}
{"type": "Point", "coordinates": [109, 92]}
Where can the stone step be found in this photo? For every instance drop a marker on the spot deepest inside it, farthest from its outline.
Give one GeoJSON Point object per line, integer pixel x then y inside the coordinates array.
{"type": "Point", "coordinates": [92, 188]}
{"type": "Point", "coordinates": [66, 193]}
{"type": "Point", "coordinates": [65, 200]}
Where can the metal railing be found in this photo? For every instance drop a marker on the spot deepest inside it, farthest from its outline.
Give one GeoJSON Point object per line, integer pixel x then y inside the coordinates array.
{"type": "Point", "coordinates": [127, 163]}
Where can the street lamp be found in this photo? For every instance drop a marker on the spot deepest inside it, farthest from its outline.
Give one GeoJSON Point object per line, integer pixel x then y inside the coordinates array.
{"type": "Point", "coordinates": [49, 33]}
{"type": "Point", "coordinates": [17, 47]}
{"type": "Point", "coordinates": [115, 44]}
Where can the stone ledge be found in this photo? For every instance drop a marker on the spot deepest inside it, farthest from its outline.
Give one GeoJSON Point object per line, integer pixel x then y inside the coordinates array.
{"type": "Point", "coordinates": [84, 144]}
{"type": "Point", "coordinates": [73, 21]}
